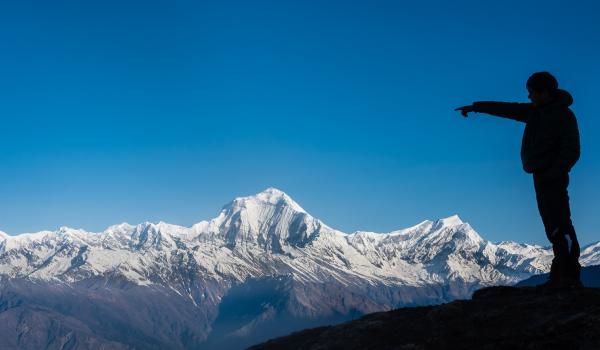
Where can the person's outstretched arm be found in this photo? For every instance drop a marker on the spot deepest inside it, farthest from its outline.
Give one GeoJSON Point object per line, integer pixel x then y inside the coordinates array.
{"type": "Point", "coordinates": [511, 110]}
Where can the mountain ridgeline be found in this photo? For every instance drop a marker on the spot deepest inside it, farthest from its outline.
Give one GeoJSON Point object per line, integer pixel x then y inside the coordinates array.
{"type": "Point", "coordinates": [262, 268]}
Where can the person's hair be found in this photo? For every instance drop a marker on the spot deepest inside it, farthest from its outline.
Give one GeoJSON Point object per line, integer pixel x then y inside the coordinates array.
{"type": "Point", "coordinates": [542, 81]}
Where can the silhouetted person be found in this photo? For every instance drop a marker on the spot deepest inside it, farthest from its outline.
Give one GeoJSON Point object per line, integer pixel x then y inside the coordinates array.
{"type": "Point", "coordinates": [549, 149]}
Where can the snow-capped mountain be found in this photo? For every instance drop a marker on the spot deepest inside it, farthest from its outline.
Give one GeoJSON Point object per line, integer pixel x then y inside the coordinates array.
{"type": "Point", "coordinates": [264, 252]}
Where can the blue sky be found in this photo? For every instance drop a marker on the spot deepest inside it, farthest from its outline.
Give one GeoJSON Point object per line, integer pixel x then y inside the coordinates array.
{"type": "Point", "coordinates": [117, 111]}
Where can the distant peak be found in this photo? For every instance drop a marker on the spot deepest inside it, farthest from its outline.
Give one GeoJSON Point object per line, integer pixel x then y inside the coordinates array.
{"type": "Point", "coordinates": [123, 225]}
{"type": "Point", "coordinates": [453, 220]}
{"type": "Point", "coordinates": [272, 196]}
{"type": "Point", "coordinates": [66, 230]}
{"type": "Point", "coordinates": [273, 191]}
{"type": "Point", "coordinates": [69, 232]}
{"type": "Point", "coordinates": [120, 228]}
{"type": "Point", "coordinates": [428, 226]}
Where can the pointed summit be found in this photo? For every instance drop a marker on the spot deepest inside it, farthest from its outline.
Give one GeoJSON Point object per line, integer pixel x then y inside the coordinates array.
{"type": "Point", "coordinates": [120, 228]}
{"type": "Point", "coordinates": [453, 225]}
{"type": "Point", "coordinates": [450, 221]}
{"type": "Point", "coordinates": [274, 191]}
{"type": "Point", "coordinates": [453, 220]}
{"type": "Point", "coordinates": [269, 218]}
{"type": "Point", "coordinates": [65, 229]}
{"type": "Point", "coordinates": [270, 196]}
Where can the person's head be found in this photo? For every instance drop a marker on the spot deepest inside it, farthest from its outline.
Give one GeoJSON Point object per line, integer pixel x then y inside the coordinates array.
{"type": "Point", "coordinates": [542, 87]}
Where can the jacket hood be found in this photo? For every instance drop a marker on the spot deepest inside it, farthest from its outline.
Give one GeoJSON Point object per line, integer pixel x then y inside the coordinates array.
{"type": "Point", "coordinates": [562, 99]}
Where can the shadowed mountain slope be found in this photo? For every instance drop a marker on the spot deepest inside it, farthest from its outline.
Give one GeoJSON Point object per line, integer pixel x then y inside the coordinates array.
{"type": "Point", "coordinates": [495, 318]}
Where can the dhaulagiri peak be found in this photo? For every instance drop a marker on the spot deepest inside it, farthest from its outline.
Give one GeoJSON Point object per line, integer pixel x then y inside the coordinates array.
{"type": "Point", "coordinates": [269, 196]}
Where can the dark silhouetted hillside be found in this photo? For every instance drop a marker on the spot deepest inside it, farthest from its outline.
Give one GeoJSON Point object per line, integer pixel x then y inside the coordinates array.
{"type": "Point", "coordinates": [495, 318]}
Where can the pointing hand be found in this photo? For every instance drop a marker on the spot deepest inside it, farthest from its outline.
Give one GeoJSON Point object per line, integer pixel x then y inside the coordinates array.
{"type": "Point", "coordinates": [464, 110]}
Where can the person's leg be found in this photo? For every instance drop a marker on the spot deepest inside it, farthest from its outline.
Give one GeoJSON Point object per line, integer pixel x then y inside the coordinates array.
{"type": "Point", "coordinates": [553, 204]}
{"type": "Point", "coordinates": [543, 198]}
{"type": "Point", "coordinates": [565, 225]}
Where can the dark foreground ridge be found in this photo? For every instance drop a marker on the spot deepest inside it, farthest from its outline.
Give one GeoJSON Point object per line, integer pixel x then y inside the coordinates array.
{"type": "Point", "coordinates": [496, 318]}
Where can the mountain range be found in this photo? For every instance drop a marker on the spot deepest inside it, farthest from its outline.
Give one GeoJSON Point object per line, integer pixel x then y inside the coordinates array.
{"type": "Point", "coordinates": [263, 267]}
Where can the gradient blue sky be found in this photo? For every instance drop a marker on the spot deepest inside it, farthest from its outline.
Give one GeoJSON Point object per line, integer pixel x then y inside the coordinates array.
{"type": "Point", "coordinates": [117, 111]}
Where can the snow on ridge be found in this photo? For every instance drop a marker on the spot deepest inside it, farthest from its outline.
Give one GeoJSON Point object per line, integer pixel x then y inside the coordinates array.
{"type": "Point", "coordinates": [269, 232]}
{"type": "Point", "coordinates": [424, 227]}
{"type": "Point", "coordinates": [591, 247]}
{"type": "Point", "coordinates": [590, 254]}
{"type": "Point", "coordinates": [254, 207]}
{"type": "Point", "coordinates": [119, 228]}
{"type": "Point", "coordinates": [164, 227]}
{"type": "Point", "coordinates": [411, 229]}
{"type": "Point", "coordinates": [264, 208]}
{"type": "Point", "coordinates": [270, 196]}
{"type": "Point", "coordinates": [30, 235]}
{"type": "Point", "coordinates": [450, 221]}
{"type": "Point", "coordinates": [123, 228]}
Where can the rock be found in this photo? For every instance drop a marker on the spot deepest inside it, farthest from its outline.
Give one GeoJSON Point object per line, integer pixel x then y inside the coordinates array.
{"type": "Point", "coordinates": [495, 317]}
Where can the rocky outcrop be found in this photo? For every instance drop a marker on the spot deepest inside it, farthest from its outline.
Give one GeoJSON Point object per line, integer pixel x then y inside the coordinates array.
{"type": "Point", "coordinates": [495, 318]}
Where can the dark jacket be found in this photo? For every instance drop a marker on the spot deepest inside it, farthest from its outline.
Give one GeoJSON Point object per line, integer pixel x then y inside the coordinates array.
{"type": "Point", "coordinates": [551, 138]}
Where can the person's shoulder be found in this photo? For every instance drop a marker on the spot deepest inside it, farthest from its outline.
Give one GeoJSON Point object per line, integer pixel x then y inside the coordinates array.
{"type": "Point", "coordinates": [567, 113]}
{"type": "Point", "coordinates": [562, 112]}
{"type": "Point", "coordinates": [564, 118]}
